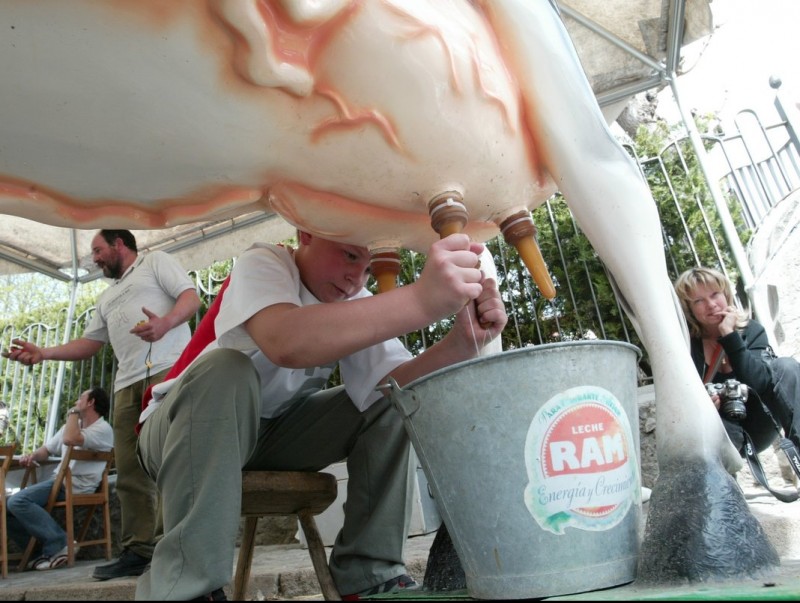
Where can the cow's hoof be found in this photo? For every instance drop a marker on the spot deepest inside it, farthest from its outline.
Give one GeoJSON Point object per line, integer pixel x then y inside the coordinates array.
{"type": "Point", "coordinates": [700, 528]}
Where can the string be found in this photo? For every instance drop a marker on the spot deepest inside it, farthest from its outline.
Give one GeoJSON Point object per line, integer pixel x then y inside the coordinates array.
{"type": "Point", "coordinates": [478, 348]}
{"type": "Point", "coordinates": [149, 364]}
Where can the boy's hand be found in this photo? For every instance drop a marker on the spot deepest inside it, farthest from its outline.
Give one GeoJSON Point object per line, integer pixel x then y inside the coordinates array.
{"type": "Point", "coordinates": [484, 319]}
{"type": "Point", "coordinates": [451, 276]}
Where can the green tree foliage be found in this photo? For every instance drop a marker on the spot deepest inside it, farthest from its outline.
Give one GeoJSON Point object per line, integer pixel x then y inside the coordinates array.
{"type": "Point", "coordinates": [691, 224]}
{"type": "Point", "coordinates": [209, 281]}
{"type": "Point", "coordinates": [41, 315]}
{"type": "Point", "coordinates": [27, 298]}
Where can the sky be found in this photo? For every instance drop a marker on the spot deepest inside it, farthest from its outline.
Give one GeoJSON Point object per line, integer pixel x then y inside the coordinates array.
{"type": "Point", "coordinates": [730, 70]}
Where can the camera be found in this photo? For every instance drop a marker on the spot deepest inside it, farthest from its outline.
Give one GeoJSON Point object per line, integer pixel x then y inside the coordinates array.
{"type": "Point", "coordinates": [733, 396]}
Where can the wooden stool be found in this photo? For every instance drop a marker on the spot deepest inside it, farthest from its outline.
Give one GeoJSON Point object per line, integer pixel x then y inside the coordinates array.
{"type": "Point", "coordinates": [300, 493]}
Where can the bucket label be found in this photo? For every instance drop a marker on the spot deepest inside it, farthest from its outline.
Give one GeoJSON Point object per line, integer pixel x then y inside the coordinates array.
{"type": "Point", "coordinates": [581, 461]}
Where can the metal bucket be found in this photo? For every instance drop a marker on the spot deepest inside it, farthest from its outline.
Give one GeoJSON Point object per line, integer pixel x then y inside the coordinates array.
{"type": "Point", "coordinates": [534, 464]}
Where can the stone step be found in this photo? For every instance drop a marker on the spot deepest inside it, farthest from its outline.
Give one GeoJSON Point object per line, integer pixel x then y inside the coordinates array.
{"type": "Point", "coordinates": [285, 571]}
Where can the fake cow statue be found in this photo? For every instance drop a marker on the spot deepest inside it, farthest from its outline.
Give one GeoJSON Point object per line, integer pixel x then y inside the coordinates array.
{"type": "Point", "coordinates": [383, 123]}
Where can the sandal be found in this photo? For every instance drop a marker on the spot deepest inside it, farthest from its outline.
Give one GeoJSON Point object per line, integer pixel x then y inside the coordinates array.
{"type": "Point", "coordinates": [39, 561]}
{"type": "Point", "coordinates": [56, 561]}
{"type": "Point", "coordinates": [48, 563]}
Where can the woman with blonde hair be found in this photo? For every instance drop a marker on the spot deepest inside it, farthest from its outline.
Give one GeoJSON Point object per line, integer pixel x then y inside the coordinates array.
{"type": "Point", "coordinates": [726, 344]}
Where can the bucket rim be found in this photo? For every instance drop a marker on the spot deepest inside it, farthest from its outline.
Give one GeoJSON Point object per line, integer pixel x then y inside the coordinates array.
{"type": "Point", "coordinates": [519, 351]}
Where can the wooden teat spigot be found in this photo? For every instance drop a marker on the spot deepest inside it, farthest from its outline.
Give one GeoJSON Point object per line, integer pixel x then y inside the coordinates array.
{"type": "Point", "coordinates": [520, 232]}
{"type": "Point", "coordinates": [448, 213]}
{"type": "Point", "coordinates": [385, 267]}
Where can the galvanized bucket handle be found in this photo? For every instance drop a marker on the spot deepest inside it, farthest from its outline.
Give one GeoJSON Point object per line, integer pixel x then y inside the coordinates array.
{"type": "Point", "coordinates": [404, 400]}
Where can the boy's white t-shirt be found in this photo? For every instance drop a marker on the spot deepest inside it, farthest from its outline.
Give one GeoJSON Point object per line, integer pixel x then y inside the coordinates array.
{"type": "Point", "coordinates": [265, 275]}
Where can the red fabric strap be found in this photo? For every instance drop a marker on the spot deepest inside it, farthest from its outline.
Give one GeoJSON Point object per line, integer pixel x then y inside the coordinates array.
{"type": "Point", "coordinates": [713, 366]}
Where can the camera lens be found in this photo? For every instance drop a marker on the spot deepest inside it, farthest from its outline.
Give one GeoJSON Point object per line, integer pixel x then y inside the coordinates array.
{"type": "Point", "coordinates": [734, 409]}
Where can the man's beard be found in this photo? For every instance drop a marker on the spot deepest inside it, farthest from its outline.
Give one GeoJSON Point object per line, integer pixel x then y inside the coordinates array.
{"type": "Point", "coordinates": [112, 270]}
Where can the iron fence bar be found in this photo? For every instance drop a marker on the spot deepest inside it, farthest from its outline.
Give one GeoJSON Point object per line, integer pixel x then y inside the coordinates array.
{"type": "Point", "coordinates": [564, 266]}
{"type": "Point", "coordinates": [748, 150]}
{"type": "Point", "coordinates": [734, 176]}
{"type": "Point", "coordinates": [590, 284]}
{"type": "Point", "coordinates": [514, 314]}
{"type": "Point", "coordinates": [675, 197]}
{"type": "Point", "coordinates": [706, 222]}
{"type": "Point", "coordinates": [778, 155]}
{"type": "Point", "coordinates": [640, 163]}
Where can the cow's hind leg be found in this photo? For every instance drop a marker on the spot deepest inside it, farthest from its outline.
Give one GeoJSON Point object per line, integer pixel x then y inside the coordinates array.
{"type": "Point", "coordinates": [614, 208]}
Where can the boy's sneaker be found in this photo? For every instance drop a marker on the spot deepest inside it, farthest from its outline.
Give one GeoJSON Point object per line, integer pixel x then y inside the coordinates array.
{"type": "Point", "coordinates": [397, 584]}
{"type": "Point", "coordinates": [215, 595]}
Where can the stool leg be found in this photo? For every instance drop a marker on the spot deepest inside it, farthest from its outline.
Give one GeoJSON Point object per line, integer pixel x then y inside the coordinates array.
{"type": "Point", "coordinates": [317, 551]}
{"type": "Point", "coordinates": [245, 558]}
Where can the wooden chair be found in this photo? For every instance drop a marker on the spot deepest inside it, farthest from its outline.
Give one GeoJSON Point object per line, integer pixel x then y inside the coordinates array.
{"type": "Point", "coordinates": [300, 493]}
{"type": "Point", "coordinates": [91, 500]}
{"type": "Point", "coordinates": [6, 456]}
{"type": "Point", "coordinates": [30, 476]}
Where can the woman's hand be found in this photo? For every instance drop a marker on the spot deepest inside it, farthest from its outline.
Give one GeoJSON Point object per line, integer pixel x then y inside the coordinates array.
{"type": "Point", "coordinates": [715, 400]}
{"type": "Point", "coordinates": [728, 324]}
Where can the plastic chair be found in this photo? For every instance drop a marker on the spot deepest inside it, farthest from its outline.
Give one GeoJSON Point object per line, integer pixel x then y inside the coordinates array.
{"type": "Point", "coordinates": [91, 500]}
{"type": "Point", "coordinates": [300, 493]}
{"type": "Point", "coordinates": [6, 456]}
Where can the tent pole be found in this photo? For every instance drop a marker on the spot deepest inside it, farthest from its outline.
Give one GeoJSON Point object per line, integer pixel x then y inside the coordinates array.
{"type": "Point", "coordinates": [761, 312]}
{"type": "Point", "coordinates": [52, 418]}
{"type": "Point", "coordinates": [674, 43]}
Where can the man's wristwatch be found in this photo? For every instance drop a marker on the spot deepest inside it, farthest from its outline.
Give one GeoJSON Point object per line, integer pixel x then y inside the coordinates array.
{"type": "Point", "coordinates": [73, 411]}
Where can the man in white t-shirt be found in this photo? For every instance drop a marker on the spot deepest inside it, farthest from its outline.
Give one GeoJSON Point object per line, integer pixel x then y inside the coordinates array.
{"type": "Point", "coordinates": [143, 314]}
{"type": "Point", "coordinates": [85, 428]}
{"type": "Point", "coordinates": [255, 398]}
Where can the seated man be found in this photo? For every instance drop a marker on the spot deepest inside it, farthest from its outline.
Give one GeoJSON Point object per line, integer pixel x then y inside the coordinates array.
{"type": "Point", "coordinates": [255, 399]}
{"type": "Point", "coordinates": [86, 428]}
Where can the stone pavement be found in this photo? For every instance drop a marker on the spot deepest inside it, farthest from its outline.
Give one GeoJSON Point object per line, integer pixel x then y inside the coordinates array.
{"type": "Point", "coordinates": [281, 572]}
{"type": "Point", "coordinates": [278, 572]}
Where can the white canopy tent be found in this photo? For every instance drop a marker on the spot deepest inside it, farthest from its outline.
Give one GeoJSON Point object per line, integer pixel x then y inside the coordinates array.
{"type": "Point", "coordinates": [64, 253]}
